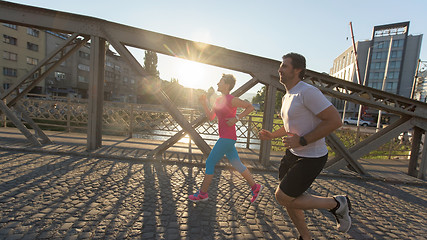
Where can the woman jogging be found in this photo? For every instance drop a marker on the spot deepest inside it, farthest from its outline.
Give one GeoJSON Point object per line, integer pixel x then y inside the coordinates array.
{"type": "Point", "coordinates": [225, 109]}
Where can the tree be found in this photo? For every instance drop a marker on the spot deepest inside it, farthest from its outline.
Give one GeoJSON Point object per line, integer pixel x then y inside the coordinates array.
{"type": "Point", "coordinates": [150, 63]}
{"type": "Point", "coordinates": [260, 97]}
{"type": "Point", "coordinates": [175, 80]}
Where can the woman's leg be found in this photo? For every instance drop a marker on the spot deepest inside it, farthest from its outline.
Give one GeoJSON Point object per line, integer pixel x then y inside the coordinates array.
{"type": "Point", "coordinates": [215, 155]}
{"type": "Point", "coordinates": [206, 183]}
{"type": "Point", "coordinates": [235, 161]}
{"type": "Point", "coordinates": [248, 176]}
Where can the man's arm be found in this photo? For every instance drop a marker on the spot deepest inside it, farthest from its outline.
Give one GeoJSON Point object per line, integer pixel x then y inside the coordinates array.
{"type": "Point", "coordinates": [267, 135]}
{"type": "Point", "coordinates": [331, 121]}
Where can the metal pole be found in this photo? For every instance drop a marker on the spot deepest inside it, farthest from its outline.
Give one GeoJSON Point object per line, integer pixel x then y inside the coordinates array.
{"type": "Point", "coordinates": [384, 80]}
{"type": "Point", "coordinates": [364, 84]}
{"type": "Point", "coordinates": [344, 110]}
{"type": "Point", "coordinates": [357, 74]}
{"type": "Point", "coordinates": [355, 54]}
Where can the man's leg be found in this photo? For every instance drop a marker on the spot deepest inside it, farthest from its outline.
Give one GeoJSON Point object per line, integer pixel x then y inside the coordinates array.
{"type": "Point", "coordinates": [295, 207]}
{"type": "Point", "coordinates": [305, 201]}
{"type": "Point", "coordinates": [296, 215]}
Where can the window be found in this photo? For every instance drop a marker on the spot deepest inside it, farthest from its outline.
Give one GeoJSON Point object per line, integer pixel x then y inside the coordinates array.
{"type": "Point", "coordinates": [381, 45]}
{"type": "Point", "coordinates": [109, 64]}
{"type": "Point", "coordinates": [13, 26]}
{"type": "Point", "coordinates": [84, 55]}
{"type": "Point", "coordinates": [393, 75]}
{"type": "Point", "coordinates": [82, 79]}
{"type": "Point", "coordinates": [10, 56]}
{"type": "Point", "coordinates": [83, 67]}
{"type": "Point", "coordinates": [9, 40]}
{"type": "Point", "coordinates": [376, 75]}
{"type": "Point", "coordinates": [59, 76]}
{"type": "Point", "coordinates": [396, 54]}
{"type": "Point", "coordinates": [379, 55]}
{"type": "Point", "coordinates": [394, 65]}
{"type": "Point", "coordinates": [398, 43]}
{"type": "Point", "coordinates": [109, 75]}
{"type": "Point", "coordinates": [379, 65]}
{"type": "Point", "coordinates": [32, 47]}
{"type": "Point", "coordinates": [11, 72]}
{"type": "Point", "coordinates": [377, 85]}
{"type": "Point", "coordinates": [33, 32]}
{"type": "Point", "coordinates": [6, 86]}
{"type": "Point", "coordinates": [390, 86]}
{"type": "Point", "coordinates": [32, 61]}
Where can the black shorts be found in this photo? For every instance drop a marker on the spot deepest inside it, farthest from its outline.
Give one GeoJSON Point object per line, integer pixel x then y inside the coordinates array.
{"type": "Point", "coordinates": [296, 173]}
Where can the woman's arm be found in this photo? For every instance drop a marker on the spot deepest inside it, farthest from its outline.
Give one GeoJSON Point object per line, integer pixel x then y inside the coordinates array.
{"type": "Point", "coordinates": [209, 113]}
{"type": "Point", "coordinates": [237, 102]}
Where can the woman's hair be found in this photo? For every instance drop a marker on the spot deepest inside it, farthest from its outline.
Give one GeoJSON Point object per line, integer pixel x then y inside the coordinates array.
{"type": "Point", "coordinates": [298, 61]}
{"type": "Point", "coordinates": [229, 79]}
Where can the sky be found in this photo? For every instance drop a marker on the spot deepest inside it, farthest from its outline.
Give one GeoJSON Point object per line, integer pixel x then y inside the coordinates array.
{"type": "Point", "coordinates": [319, 30]}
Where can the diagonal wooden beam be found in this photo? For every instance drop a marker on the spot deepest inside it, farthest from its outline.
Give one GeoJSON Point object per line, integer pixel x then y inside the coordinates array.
{"type": "Point", "coordinates": [38, 131]}
{"type": "Point", "coordinates": [161, 96]}
{"type": "Point", "coordinates": [373, 142]}
{"type": "Point", "coordinates": [339, 148]}
{"type": "Point", "coordinates": [11, 115]}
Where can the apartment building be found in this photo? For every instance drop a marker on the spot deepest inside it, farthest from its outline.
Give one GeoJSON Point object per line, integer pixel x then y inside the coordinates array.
{"type": "Point", "coordinates": [22, 48]}
{"type": "Point", "coordinates": [387, 62]}
{"type": "Point", "coordinates": [72, 76]}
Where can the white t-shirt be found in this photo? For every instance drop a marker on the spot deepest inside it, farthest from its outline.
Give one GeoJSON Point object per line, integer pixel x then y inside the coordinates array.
{"type": "Point", "coordinates": [300, 105]}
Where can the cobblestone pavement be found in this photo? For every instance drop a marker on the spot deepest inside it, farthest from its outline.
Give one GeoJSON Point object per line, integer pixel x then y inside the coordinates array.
{"type": "Point", "coordinates": [48, 196]}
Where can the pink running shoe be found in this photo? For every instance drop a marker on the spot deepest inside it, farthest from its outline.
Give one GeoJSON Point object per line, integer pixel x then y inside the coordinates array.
{"type": "Point", "coordinates": [255, 193]}
{"type": "Point", "coordinates": [198, 197]}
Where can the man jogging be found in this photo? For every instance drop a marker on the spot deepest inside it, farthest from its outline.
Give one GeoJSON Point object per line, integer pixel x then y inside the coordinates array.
{"type": "Point", "coordinates": [308, 117]}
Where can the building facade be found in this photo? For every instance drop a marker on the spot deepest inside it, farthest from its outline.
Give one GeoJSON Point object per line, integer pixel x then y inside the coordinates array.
{"type": "Point", "coordinates": [22, 48]}
{"type": "Point", "coordinates": [387, 62]}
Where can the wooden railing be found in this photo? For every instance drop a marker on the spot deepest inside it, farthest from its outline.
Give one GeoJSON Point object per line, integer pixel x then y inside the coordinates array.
{"type": "Point", "coordinates": [153, 122]}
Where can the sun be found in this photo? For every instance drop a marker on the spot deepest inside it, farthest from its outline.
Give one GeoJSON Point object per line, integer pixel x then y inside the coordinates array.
{"type": "Point", "coordinates": [191, 74]}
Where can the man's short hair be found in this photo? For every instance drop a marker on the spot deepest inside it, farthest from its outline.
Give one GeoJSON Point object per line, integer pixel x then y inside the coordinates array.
{"type": "Point", "coordinates": [298, 61]}
{"type": "Point", "coordinates": [229, 79]}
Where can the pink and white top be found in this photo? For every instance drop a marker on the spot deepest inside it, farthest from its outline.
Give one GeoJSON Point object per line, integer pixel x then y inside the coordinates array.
{"type": "Point", "coordinates": [224, 111]}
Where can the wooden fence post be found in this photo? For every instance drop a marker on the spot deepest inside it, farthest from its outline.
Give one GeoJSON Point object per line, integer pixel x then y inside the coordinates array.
{"type": "Point", "coordinates": [248, 141]}
{"type": "Point", "coordinates": [68, 113]}
{"type": "Point", "coordinates": [132, 116]}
